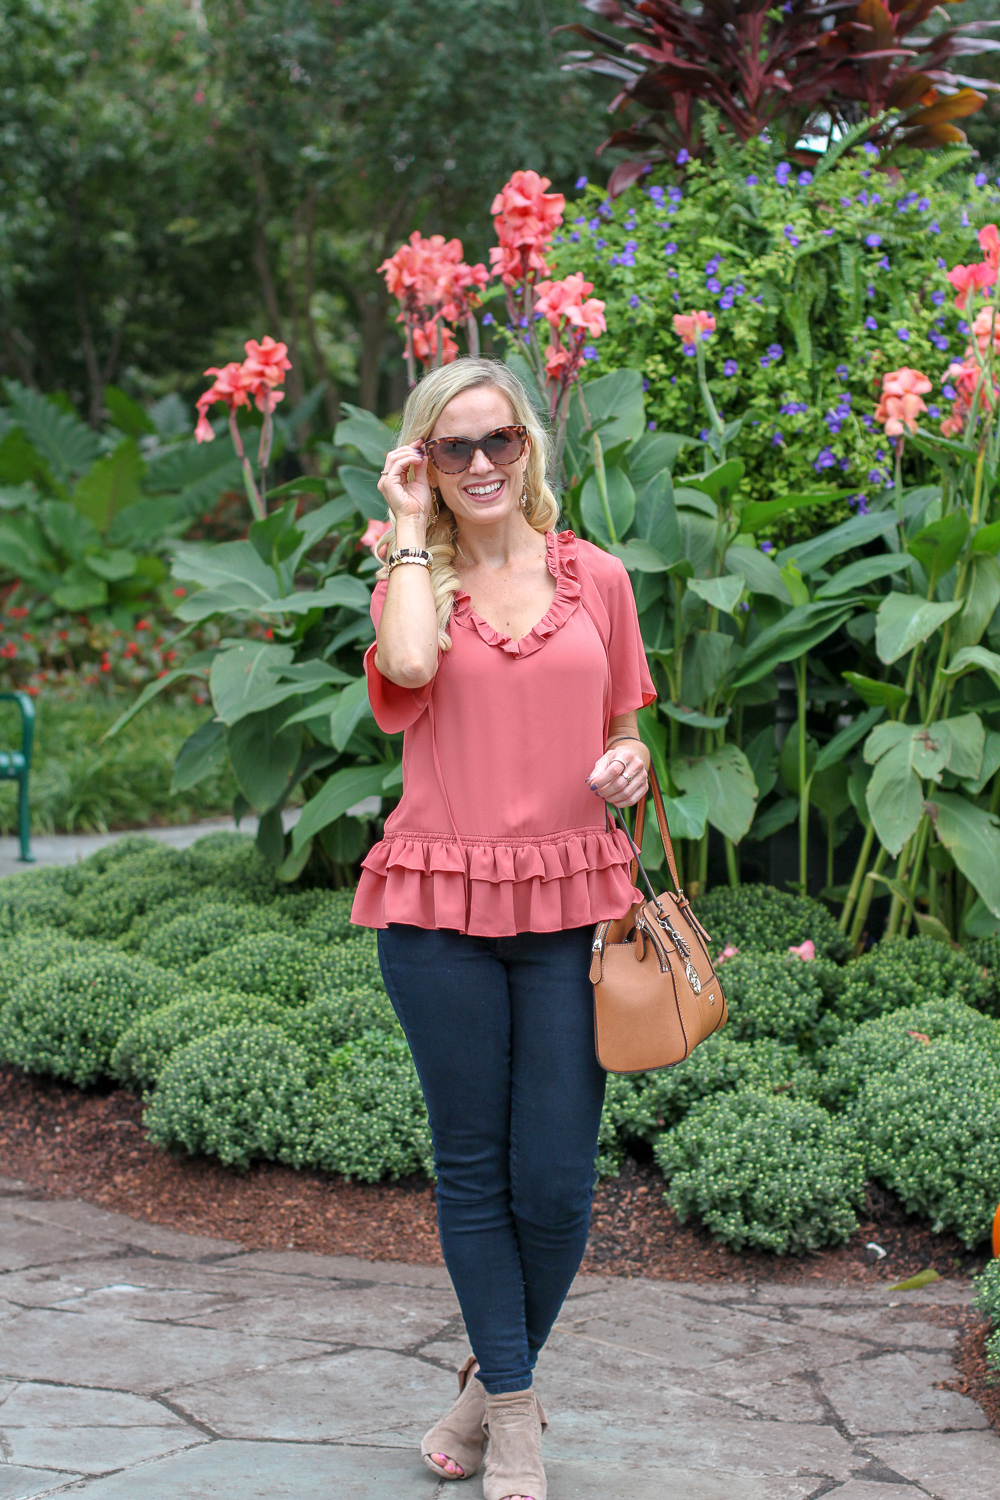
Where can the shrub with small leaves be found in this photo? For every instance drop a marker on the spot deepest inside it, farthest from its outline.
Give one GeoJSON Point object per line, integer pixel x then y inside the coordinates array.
{"type": "Point", "coordinates": [351, 965]}
{"type": "Point", "coordinates": [234, 861]}
{"type": "Point", "coordinates": [67, 1019]}
{"type": "Point", "coordinates": [106, 904]}
{"type": "Point", "coordinates": [776, 995]}
{"type": "Point", "coordinates": [239, 1093]}
{"type": "Point", "coordinates": [34, 898]}
{"type": "Point", "coordinates": [142, 1052]}
{"type": "Point", "coordinates": [275, 964]}
{"type": "Point", "coordinates": [321, 915]}
{"type": "Point", "coordinates": [907, 971]}
{"type": "Point", "coordinates": [327, 1023]}
{"type": "Point", "coordinates": [930, 1130]}
{"type": "Point", "coordinates": [988, 1302]}
{"type": "Point", "coordinates": [158, 916]}
{"type": "Point", "coordinates": [985, 954]}
{"type": "Point", "coordinates": [764, 1170]}
{"type": "Point", "coordinates": [877, 1047]}
{"type": "Point", "coordinates": [761, 917]}
{"type": "Point", "coordinates": [35, 950]}
{"type": "Point", "coordinates": [215, 924]}
{"type": "Point", "coordinates": [370, 1117]}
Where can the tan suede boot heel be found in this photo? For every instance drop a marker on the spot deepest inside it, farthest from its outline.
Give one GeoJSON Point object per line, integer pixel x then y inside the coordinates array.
{"type": "Point", "coordinates": [514, 1423]}
{"type": "Point", "coordinates": [460, 1434]}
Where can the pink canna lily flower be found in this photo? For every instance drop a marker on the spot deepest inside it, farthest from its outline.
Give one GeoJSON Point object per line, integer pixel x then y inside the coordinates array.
{"type": "Point", "coordinates": [989, 244]}
{"type": "Point", "coordinates": [806, 951]}
{"type": "Point", "coordinates": [968, 280]}
{"type": "Point", "coordinates": [690, 327]}
{"type": "Point", "coordinates": [373, 534]}
{"type": "Point", "coordinates": [728, 952]}
{"type": "Point", "coordinates": [902, 400]}
{"type": "Point", "coordinates": [232, 386]}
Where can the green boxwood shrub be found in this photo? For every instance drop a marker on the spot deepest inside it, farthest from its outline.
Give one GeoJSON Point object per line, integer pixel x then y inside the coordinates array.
{"type": "Point", "coordinates": [764, 1170]}
{"type": "Point", "coordinates": [34, 898]}
{"type": "Point", "coordinates": [67, 1019]}
{"type": "Point", "coordinates": [776, 995]}
{"type": "Point", "coordinates": [275, 964]}
{"type": "Point", "coordinates": [158, 916]}
{"type": "Point", "coordinates": [930, 1130]}
{"type": "Point", "coordinates": [106, 904]}
{"type": "Point", "coordinates": [233, 860]}
{"type": "Point", "coordinates": [985, 954]}
{"type": "Point", "coordinates": [907, 971]}
{"type": "Point", "coordinates": [325, 1024]}
{"type": "Point", "coordinates": [239, 1093]}
{"type": "Point", "coordinates": [321, 915]}
{"type": "Point", "coordinates": [370, 1118]}
{"type": "Point", "coordinates": [351, 965]}
{"type": "Point", "coordinates": [988, 1303]}
{"type": "Point", "coordinates": [35, 950]}
{"type": "Point", "coordinates": [143, 1050]}
{"type": "Point", "coordinates": [763, 918]}
{"type": "Point", "coordinates": [181, 942]}
{"type": "Point", "coordinates": [877, 1047]}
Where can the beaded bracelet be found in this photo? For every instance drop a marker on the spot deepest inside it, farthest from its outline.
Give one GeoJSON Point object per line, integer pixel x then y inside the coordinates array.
{"type": "Point", "coordinates": [408, 555]}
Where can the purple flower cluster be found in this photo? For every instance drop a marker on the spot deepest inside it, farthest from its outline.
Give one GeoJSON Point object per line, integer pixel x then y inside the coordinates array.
{"type": "Point", "coordinates": [791, 236]}
{"type": "Point", "coordinates": [859, 502]}
{"type": "Point", "coordinates": [825, 459]}
{"type": "Point", "coordinates": [627, 256]}
{"type": "Point", "coordinates": [730, 368]}
{"type": "Point", "coordinates": [782, 172]}
{"type": "Point", "coordinates": [836, 417]}
{"type": "Point", "coordinates": [774, 353]}
{"type": "Point", "coordinates": [793, 408]}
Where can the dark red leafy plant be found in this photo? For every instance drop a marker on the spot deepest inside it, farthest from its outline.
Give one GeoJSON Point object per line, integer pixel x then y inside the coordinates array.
{"type": "Point", "coordinates": [765, 67]}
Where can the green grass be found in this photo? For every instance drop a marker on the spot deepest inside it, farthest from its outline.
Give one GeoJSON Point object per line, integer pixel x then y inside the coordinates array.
{"type": "Point", "coordinates": [81, 784]}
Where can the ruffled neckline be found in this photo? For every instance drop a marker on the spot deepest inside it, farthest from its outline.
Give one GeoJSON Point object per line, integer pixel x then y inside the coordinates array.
{"type": "Point", "coordinates": [561, 561]}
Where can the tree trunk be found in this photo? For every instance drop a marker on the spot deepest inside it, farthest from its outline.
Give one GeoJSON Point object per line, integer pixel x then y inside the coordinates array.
{"type": "Point", "coordinates": [95, 406]}
{"type": "Point", "coordinates": [374, 309]}
{"type": "Point", "coordinates": [331, 398]}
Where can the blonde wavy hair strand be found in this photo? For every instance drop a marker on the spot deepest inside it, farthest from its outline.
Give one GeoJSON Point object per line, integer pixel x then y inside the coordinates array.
{"type": "Point", "coordinates": [424, 406]}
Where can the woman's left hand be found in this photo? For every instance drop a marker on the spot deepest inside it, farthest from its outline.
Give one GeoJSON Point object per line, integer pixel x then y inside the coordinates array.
{"type": "Point", "coordinates": [620, 776]}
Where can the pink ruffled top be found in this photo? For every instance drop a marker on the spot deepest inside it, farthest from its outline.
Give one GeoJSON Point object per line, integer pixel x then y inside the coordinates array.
{"type": "Point", "coordinates": [497, 831]}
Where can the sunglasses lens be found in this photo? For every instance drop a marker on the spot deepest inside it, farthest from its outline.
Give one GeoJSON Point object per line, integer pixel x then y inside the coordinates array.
{"type": "Point", "coordinates": [503, 446]}
{"type": "Point", "coordinates": [451, 455]}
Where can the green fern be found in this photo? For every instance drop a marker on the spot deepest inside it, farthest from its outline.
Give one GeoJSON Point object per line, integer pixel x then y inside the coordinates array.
{"type": "Point", "coordinates": [850, 138]}
{"type": "Point", "coordinates": [67, 445]}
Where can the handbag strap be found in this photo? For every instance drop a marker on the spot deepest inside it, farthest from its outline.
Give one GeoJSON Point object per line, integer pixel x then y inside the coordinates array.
{"type": "Point", "coordinates": [661, 820]}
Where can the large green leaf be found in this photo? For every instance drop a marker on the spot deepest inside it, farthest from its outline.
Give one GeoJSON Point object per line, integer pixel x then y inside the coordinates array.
{"type": "Point", "coordinates": [937, 547]}
{"type": "Point", "coordinates": [974, 659]}
{"type": "Point", "coordinates": [352, 707]}
{"type": "Point", "coordinates": [801, 630]}
{"type": "Point", "coordinates": [111, 485]}
{"type": "Point", "coordinates": [694, 719]}
{"type": "Point", "coordinates": [233, 598]}
{"type": "Point", "coordinates": [981, 599]}
{"type": "Point", "coordinates": [127, 415]}
{"type": "Point", "coordinates": [316, 524]}
{"type": "Point", "coordinates": [342, 790]}
{"type": "Point", "coordinates": [649, 456]}
{"type": "Point", "coordinates": [762, 753]}
{"type": "Point", "coordinates": [655, 519]}
{"type": "Point", "coordinates": [640, 556]}
{"type": "Point", "coordinates": [719, 593]}
{"type": "Point", "coordinates": [68, 531]}
{"type": "Point", "coordinates": [904, 620]}
{"type": "Point", "coordinates": [362, 429]}
{"type": "Point", "coordinates": [193, 466]}
{"type": "Point", "coordinates": [244, 679]}
{"type": "Point", "coordinates": [759, 513]}
{"type": "Point", "coordinates": [759, 573]}
{"type": "Point", "coordinates": [704, 665]}
{"type": "Point", "coordinates": [614, 406]}
{"type": "Point", "coordinates": [988, 766]}
{"type": "Point", "coordinates": [343, 590]}
{"type": "Point", "coordinates": [114, 566]}
{"type": "Point", "coordinates": [773, 818]}
{"type": "Point", "coordinates": [686, 816]}
{"type": "Point", "coordinates": [196, 666]}
{"type": "Point", "coordinates": [972, 838]}
{"type": "Point", "coordinates": [263, 756]}
{"type": "Point", "coordinates": [621, 504]}
{"type": "Point", "coordinates": [894, 796]}
{"type": "Point", "coordinates": [67, 445]}
{"type": "Point", "coordinates": [837, 748]}
{"type": "Point", "coordinates": [80, 589]}
{"type": "Point", "coordinates": [987, 539]}
{"type": "Point", "coordinates": [225, 563]}
{"type": "Point", "coordinates": [726, 780]}
{"type": "Point", "coordinates": [856, 532]}
{"type": "Point", "coordinates": [876, 694]}
{"type": "Point", "coordinates": [858, 575]}
{"type": "Point", "coordinates": [697, 540]}
{"type": "Point", "coordinates": [362, 487]}
{"type": "Point", "coordinates": [967, 742]}
{"type": "Point", "coordinates": [202, 752]}
{"type": "Point", "coordinates": [720, 483]}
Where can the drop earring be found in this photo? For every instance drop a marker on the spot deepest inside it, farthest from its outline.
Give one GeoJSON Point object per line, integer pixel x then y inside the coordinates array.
{"type": "Point", "coordinates": [524, 496]}
{"type": "Point", "coordinates": [435, 503]}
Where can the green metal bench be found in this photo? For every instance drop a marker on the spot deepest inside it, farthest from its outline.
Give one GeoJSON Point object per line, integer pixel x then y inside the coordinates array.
{"type": "Point", "coordinates": [15, 765]}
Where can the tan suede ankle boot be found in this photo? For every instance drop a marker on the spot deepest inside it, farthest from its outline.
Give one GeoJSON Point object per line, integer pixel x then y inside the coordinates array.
{"type": "Point", "coordinates": [460, 1434]}
{"type": "Point", "coordinates": [514, 1423]}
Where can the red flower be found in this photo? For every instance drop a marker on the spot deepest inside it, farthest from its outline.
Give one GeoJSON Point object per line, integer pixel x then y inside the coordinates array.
{"type": "Point", "coordinates": [425, 344]}
{"type": "Point", "coordinates": [989, 244]}
{"type": "Point", "coordinates": [17, 612]}
{"type": "Point", "coordinates": [901, 402]}
{"type": "Point", "coordinates": [143, 625]}
{"type": "Point", "coordinates": [971, 279]}
{"type": "Point", "coordinates": [264, 369]}
{"type": "Point", "coordinates": [179, 593]}
{"type": "Point", "coordinates": [558, 300]}
{"type": "Point", "coordinates": [691, 327]}
{"type": "Point", "coordinates": [525, 219]}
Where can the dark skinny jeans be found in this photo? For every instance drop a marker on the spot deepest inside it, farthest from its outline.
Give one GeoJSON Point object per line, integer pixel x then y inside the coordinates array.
{"type": "Point", "coordinates": [502, 1034]}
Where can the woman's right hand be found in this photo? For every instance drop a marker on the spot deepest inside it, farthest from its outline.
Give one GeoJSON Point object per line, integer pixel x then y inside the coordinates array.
{"type": "Point", "coordinates": [407, 499]}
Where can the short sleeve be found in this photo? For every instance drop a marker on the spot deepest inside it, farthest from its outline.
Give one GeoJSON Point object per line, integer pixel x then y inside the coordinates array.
{"type": "Point", "coordinates": [631, 685]}
{"type": "Point", "coordinates": [394, 707]}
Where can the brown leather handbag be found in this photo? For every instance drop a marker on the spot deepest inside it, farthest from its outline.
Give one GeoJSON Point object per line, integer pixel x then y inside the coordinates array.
{"type": "Point", "coordinates": [656, 992]}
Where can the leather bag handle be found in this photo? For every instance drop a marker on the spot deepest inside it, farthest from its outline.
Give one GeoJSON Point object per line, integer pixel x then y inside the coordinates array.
{"type": "Point", "coordinates": [661, 821]}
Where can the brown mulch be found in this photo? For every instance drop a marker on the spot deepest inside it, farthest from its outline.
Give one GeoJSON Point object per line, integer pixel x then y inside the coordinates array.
{"type": "Point", "coordinates": [91, 1145]}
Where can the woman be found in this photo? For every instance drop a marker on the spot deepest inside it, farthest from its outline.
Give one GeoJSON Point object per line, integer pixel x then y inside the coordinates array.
{"type": "Point", "coordinates": [511, 657]}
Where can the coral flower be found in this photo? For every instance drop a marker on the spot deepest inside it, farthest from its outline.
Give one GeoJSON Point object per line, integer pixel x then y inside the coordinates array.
{"type": "Point", "coordinates": [968, 280]}
{"type": "Point", "coordinates": [986, 327]}
{"type": "Point", "coordinates": [902, 403]}
{"type": "Point", "coordinates": [905, 382]}
{"type": "Point", "coordinates": [374, 532]}
{"type": "Point", "coordinates": [806, 951]}
{"type": "Point", "coordinates": [425, 344]}
{"type": "Point", "coordinates": [231, 385]}
{"type": "Point", "coordinates": [565, 299]}
{"type": "Point", "coordinates": [690, 327]}
{"type": "Point", "coordinates": [525, 219]}
{"type": "Point", "coordinates": [989, 244]}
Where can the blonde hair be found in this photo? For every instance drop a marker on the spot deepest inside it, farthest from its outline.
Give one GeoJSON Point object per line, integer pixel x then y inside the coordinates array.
{"type": "Point", "coordinates": [424, 406]}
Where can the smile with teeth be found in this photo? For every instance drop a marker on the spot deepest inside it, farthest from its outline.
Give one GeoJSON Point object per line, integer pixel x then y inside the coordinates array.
{"type": "Point", "coordinates": [482, 491]}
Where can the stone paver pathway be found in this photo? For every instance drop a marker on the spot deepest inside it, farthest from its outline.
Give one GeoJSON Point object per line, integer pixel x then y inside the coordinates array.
{"type": "Point", "coordinates": [137, 1363]}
